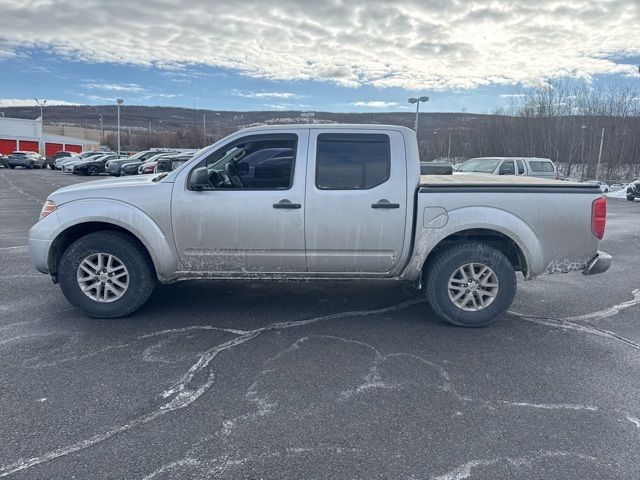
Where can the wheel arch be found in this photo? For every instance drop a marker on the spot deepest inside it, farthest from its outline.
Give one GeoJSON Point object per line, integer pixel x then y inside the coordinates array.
{"type": "Point", "coordinates": [505, 230]}
{"type": "Point", "coordinates": [73, 223]}
{"type": "Point", "coordinates": [74, 232]}
{"type": "Point", "coordinates": [494, 238]}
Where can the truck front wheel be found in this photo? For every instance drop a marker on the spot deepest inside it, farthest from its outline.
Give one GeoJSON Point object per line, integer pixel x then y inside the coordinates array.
{"type": "Point", "coordinates": [470, 284]}
{"type": "Point", "coordinates": [106, 274]}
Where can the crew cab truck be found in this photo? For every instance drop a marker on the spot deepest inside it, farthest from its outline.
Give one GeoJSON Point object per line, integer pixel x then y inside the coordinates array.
{"type": "Point", "coordinates": [317, 202]}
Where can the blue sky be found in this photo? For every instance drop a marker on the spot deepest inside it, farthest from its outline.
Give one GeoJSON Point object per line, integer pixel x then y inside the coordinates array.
{"type": "Point", "coordinates": [347, 56]}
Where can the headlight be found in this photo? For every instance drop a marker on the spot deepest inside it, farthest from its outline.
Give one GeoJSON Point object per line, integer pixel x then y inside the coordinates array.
{"type": "Point", "coordinates": [47, 208]}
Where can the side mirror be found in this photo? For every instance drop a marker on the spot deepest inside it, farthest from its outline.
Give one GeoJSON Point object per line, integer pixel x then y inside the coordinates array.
{"type": "Point", "coordinates": [199, 179]}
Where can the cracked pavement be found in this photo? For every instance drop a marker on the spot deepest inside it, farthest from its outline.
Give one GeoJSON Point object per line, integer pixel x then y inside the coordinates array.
{"type": "Point", "coordinates": [317, 379]}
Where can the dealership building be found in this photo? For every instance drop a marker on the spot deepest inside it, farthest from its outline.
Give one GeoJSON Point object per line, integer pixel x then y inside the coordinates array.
{"type": "Point", "coordinates": [26, 135]}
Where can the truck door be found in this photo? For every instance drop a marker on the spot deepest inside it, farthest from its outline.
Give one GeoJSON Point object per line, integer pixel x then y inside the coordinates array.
{"type": "Point", "coordinates": [250, 218]}
{"type": "Point", "coordinates": [356, 200]}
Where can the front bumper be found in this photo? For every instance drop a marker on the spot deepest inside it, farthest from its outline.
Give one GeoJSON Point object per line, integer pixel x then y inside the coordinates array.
{"type": "Point", "coordinates": [598, 264]}
{"type": "Point", "coordinates": [39, 253]}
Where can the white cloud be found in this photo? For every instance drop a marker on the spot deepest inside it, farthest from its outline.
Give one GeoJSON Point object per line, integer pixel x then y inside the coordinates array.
{"type": "Point", "coordinates": [375, 104]}
{"type": "Point", "coordinates": [413, 44]}
{"type": "Point", "coordinates": [266, 95]}
{"type": "Point", "coordinates": [115, 87]}
{"type": "Point", "coordinates": [30, 102]}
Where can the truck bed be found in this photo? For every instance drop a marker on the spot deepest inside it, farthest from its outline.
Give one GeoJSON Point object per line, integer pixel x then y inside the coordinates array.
{"type": "Point", "coordinates": [465, 179]}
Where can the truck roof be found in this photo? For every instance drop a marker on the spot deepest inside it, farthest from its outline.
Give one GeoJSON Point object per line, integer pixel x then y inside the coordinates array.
{"type": "Point", "coordinates": [329, 126]}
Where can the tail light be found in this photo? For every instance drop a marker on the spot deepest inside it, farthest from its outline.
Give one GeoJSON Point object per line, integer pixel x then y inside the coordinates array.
{"type": "Point", "coordinates": [598, 216]}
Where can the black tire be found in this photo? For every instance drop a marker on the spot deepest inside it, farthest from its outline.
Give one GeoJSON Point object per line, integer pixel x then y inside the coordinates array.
{"type": "Point", "coordinates": [12, 167]}
{"type": "Point", "coordinates": [29, 166]}
{"type": "Point", "coordinates": [447, 261]}
{"type": "Point", "coordinates": [142, 278]}
{"type": "Point", "coordinates": [92, 170]}
{"type": "Point", "coordinates": [631, 198]}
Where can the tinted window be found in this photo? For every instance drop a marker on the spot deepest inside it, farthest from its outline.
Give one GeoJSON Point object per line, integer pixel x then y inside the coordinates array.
{"type": "Point", "coordinates": [346, 161]}
{"type": "Point", "coordinates": [507, 168]}
{"type": "Point", "coordinates": [538, 166]}
{"type": "Point", "coordinates": [520, 167]}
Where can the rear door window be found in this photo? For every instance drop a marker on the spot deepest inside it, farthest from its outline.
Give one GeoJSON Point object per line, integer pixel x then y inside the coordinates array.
{"type": "Point", "coordinates": [348, 161]}
{"type": "Point", "coordinates": [541, 166]}
{"type": "Point", "coordinates": [507, 168]}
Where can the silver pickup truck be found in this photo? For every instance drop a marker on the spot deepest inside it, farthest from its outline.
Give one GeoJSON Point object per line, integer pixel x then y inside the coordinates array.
{"type": "Point", "coordinates": [317, 202]}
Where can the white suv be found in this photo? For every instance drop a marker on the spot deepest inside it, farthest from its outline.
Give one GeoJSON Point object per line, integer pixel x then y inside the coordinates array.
{"type": "Point", "coordinates": [529, 166]}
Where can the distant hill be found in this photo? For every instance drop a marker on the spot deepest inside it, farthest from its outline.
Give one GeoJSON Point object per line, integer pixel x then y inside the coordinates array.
{"type": "Point", "coordinates": [218, 123]}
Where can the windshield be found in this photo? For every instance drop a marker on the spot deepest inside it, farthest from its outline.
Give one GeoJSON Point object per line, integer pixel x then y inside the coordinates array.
{"type": "Point", "coordinates": [479, 165]}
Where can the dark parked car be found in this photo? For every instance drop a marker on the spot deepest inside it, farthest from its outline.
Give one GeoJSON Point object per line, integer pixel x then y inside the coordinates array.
{"type": "Point", "coordinates": [3, 161]}
{"type": "Point", "coordinates": [27, 160]}
{"type": "Point", "coordinates": [633, 190]}
{"type": "Point", "coordinates": [114, 166]}
{"type": "Point", "coordinates": [95, 165]}
{"type": "Point", "coordinates": [168, 164]}
{"type": "Point", "coordinates": [131, 167]}
{"type": "Point", "coordinates": [51, 161]}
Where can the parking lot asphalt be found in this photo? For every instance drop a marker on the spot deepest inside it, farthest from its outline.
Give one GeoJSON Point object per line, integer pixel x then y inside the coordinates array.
{"type": "Point", "coordinates": [317, 379]}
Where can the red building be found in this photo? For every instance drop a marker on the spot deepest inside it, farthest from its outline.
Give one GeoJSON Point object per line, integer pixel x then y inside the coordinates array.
{"type": "Point", "coordinates": [22, 134]}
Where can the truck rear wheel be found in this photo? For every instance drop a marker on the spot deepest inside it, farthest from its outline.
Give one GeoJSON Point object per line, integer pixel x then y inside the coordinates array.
{"type": "Point", "coordinates": [106, 274]}
{"type": "Point", "coordinates": [470, 284]}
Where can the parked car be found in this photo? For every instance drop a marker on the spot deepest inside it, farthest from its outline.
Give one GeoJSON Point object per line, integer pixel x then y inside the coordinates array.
{"type": "Point", "coordinates": [170, 163]}
{"type": "Point", "coordinates": [633, 190]}
{"type": "Point", "coordinates": [528, 166]}
{"type": "Point", "coordinates": [70, 161]}
{"type": "Point", "coordinates": [338, 205]}
{"type": "Point", "coordinates": [131, 168]}
{"type": "Point", "coordinates": [52, 161]}
{"type": "Point", "coordinates": [94, 165]}
{"type": "Point", "coordinates": [3, 161]}
{"type": "Point", "coordinates": [604, 188]}
{"type": "Point", "coordinates": [114, 166]}
{"type": "Point", "coordinates": [27, 160]}
{"type": "Point", "coordinates": [147, 167]}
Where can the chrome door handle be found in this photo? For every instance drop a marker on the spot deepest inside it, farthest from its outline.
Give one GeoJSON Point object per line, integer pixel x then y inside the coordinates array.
{"type": "Point", "coordinates": [384, 203]}
{"type": "Point", "coordinates": [286, 204]}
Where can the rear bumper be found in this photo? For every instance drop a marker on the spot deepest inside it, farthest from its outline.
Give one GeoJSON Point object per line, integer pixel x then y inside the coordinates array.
{"type": "Point", "coordinates": [598, 264]}
{"type": "Point", "coordinates": [18, 163]}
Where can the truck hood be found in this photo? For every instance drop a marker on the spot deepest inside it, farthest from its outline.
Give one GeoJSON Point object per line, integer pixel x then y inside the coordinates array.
{"type": "Point", "coordinates": [108, 188]}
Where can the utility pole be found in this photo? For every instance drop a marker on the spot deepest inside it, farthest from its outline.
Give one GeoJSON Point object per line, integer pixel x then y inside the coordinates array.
{"type": "Point", "coordinates": [119, 101]}
{"type": "Point", "coordinates": [41, 147]}
{"type": "Point", "coordinates": [600, 154]}
{"type": "Point", "coordinates": [449, 147]}
{"type": "Point", "coordinates": [204, 129]}
{"type": "Point", "coordinates": [101, 130]}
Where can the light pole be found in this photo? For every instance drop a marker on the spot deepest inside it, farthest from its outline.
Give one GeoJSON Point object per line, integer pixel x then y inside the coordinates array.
{"type": "Point", "coordinates": [41, 105]}
{"type": "Point", "coordinates": [599, 152]}
{"type": "Point", "coordinates": [417, 101]}
{"type": "Point", "coordinates": [119, 101]}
